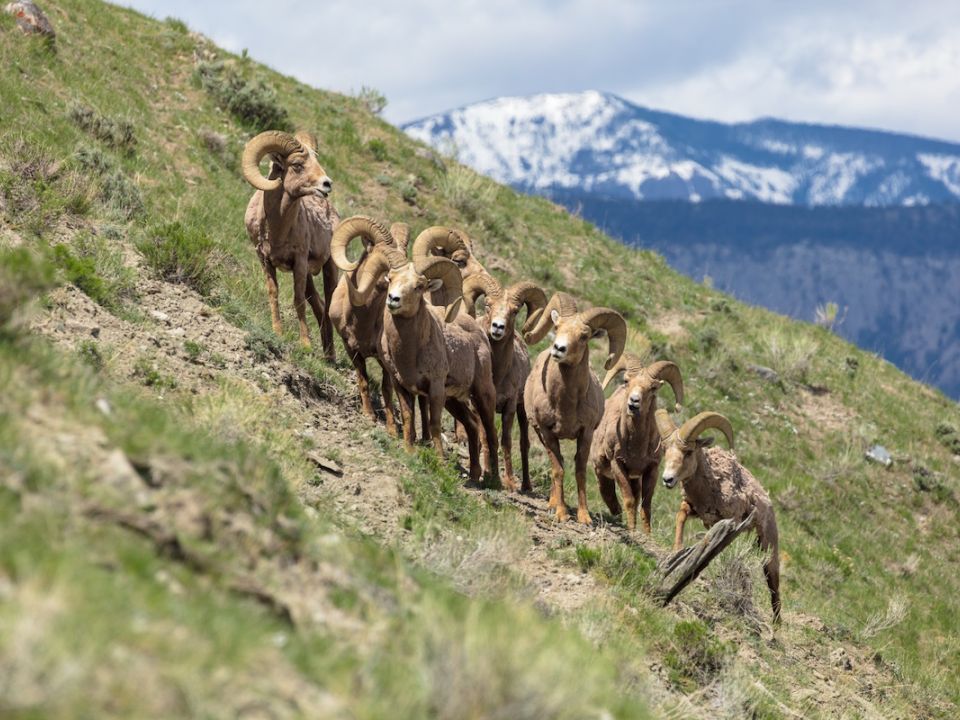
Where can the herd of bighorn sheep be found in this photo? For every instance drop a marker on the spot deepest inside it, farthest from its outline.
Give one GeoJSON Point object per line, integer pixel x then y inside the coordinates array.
{"type": "Point", "coordinates": [417, 317]}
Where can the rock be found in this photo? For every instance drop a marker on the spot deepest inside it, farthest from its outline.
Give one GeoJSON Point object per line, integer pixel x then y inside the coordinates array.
{"type": "Point", "coordinates": [840, 658]}
{"type": "Point", "coordinates": [325, 464]}
{"type": "Point", "coordinates": [103, 405]}
{"type": "Point", "coordinates": [880, 455]}
{"type": "Point", "coordinates": [160, 316]}
{"type": "Point", "coordinates": [768, 374]}
{"type": "Point", "coordinates": [30, 19]}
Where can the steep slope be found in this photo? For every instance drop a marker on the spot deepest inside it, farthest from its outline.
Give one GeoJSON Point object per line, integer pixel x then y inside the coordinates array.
{"type": "Point", "coordinates": [176, 538]}
{"type": "Point", "coordinates": [600, 144]}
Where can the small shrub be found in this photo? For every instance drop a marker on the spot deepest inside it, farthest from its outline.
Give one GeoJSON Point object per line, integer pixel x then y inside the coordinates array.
{"type": "Point", "coordinates": [122, 194]}
{"type": "Point", "coordinates": [791, 356]}
{"type": "Point", "coordinates": [947, 435]}
{"type": "Point", "coordinates": [193, 349]}
{"type": "Point", "coordinates": [851, 365]}
{"type": "Point", "coordinates": [696, 657]}
{"type": "Point", "coordinates": [263, 344]}
{"type": "Point", "coordinates": [827, 315]}
{"type": "Point", "coordinates": [180, 254]}
{"type": "Point", "coordinates": [24, 275]}
{"type": "Point", "coordinates": [466, 190]}
{"type": "Point", "coordinates": [253, 103]}
{"type": "Point", "coordinates": [705, 340]}
{"type": "Point", "coordinates": [373, 100]}
{"type": "Point", "coordinates": [90, 354]}
{"type": "Point", "coordinates": [148, 373]}
{"type": "Point", "coordinates": [587, 557]}
{"type": "Point", "coordinates": [116, 133]}
{"type": "Point", "coordinates": [176, 24]}
{"type": "Point", "coordinates": [384, 179]}
{"type": "Point", "coordinates": [82, 272]}
{"type": "Point", "coordinates": [408, 192]}
{"type": "Point", "coordinates": [377, 148]}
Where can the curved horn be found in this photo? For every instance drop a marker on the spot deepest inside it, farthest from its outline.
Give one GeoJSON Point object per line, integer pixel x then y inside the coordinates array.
{"type": "Point", "coordinates": [529, 294]}
{"type": "Point", "coordinates": [357, 226]}
{"type": "Point", "coordinates": [307, 139]}
{"type": "Point", "coordinates": [626, 362]}
{"type": "Point", "coordinates": [669, 371]}
{"type": "Point", "coordinates": [616, 327]}
{"type": "Point", "coordinates": [271, 141]}
{"type": "Point", "coordinates": [665, 424]}
{"type": "Point", "coordinates": [442, 238]}
{"type": "Point", "coordinates": [692, 428]}
{"type": "Point", "coordinates": [373, 269]}
{"type": "Point", "coordinates": [562, 303]}
{"type": "Point", "coordinates": [477, 285]}
{"type": "Point", "coordinates": [447, 271]}
{"type": "Point", "coordinates": [401, 233]}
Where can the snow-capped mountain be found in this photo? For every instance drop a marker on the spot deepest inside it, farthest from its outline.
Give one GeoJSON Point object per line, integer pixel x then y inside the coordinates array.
{"type": "Point", "coordinates": [602, 145]}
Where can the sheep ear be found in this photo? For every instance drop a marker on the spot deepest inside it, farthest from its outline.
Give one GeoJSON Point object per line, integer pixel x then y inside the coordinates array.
{"type": "Point", "coordinates": [555, 316]}
{"type": "Point", "coordinates": [705, 442]}
{"type": "Point", "coordinates": [434, 284]}
{"type": "Point", "coordinates": [276, 169]}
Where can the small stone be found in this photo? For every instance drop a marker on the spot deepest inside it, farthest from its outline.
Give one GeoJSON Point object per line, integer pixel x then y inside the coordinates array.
{"type": "Point", "coordinates": [768, 374]}
{"type": "Point", "coordinates": [880, 455]}
{"type": "Point", "coordinates": [160, 316]}
{"type": "Point", "coordinates": [327, 465]}
{"type": "Point", "coordinates": [31, 19]}
{"type": "Point", "coordinates": [103, 405]}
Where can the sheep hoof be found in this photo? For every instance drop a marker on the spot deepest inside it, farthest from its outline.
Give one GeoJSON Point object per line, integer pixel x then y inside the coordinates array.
{"type": "Point", "coordinates": [562, 514]}
{"type": "Point", "coordinates": [583, 517]}
{"type": "Point", "coordinates": [510, 483]}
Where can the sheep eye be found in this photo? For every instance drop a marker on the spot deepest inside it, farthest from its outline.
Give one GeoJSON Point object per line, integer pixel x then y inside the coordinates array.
{"type": "Point", "coordinates": [298, 167]}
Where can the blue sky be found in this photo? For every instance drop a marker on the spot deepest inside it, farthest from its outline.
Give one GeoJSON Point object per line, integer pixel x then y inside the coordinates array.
{"type": "Point", "coordinates": [891, 65]}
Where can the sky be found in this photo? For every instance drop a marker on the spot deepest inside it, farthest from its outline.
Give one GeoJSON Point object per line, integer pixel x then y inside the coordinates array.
{"type": "Point", "coordinates": [878, 64]}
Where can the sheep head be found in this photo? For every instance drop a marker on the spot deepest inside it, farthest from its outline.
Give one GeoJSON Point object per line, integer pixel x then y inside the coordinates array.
{"type": "Point", "coordinates": [449, 243]}
{"type": "Point", "coordinates": [293, 164]}
{"type": "Point", "coordinates": [574, 330]}
{"type": "Point", "coordinates": [503, 305]}
{"type": "Point", "coordinates": [407, 284]}
{"type": "Point", "coordinates": [642, 383]}
{"type": "Point", "coordinates": [680, 445]}
{"type": "Point", "coordinates": [367, 275]}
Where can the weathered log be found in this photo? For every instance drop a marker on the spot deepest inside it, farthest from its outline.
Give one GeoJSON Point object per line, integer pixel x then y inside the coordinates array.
{"type": "Point", "coordinates": [678, 570]}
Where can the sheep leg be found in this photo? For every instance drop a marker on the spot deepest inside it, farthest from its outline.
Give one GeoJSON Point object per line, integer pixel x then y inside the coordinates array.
{"type": "Point", "coordinates": [424, 402]}
{"type": "Point", "coordinates": [363, 386]}
{"type": "Point", "coordinates": [524, 424]}
{"type": "Point", "coordinates": [506, 444]}
{"type": "Point", "coordinates": [767, 538]}
{"type": "Point", "coordinates": [485, 398]}
{"type": "Point", "coordinates": [319, 311]}
{"type": "Point", "coordinates": [583, 454]}
{"type": "Point", "coordinates": [462, 413]}
{"type": "Point", "coordinates": [271, 273]}
{"type": "Point", "coordinates": [437, 400]}
{"type": "Point", "coordinates": [681, 521]}
{"type": "Point", "coordinates": [386, 390]}
{"type": "Point", "coordinates": [608, 488]}
{"type": "Point", "coordinates": [326, 324]}
{"type": "Point", "coordinates": [647, 486]}
{"type": "Point", "coordinates": [406, 411]}
{"type": "Point", "coordinates": [552, 445]}
{"type": "Point", "coordinates": [626, 489]}
{"type": "Point", "coordinates": [300, 275]}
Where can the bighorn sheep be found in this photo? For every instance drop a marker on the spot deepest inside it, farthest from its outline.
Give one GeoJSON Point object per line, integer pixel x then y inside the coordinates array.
{"type": "Point", "coordinates": [360, 326]}
{"type": "Point", "coordinates": [511, 361]}
{"type": "Point", "coordinates": [626, 448]}
{"type": "Point", "coordinates": [562, 396]}
{"type": "Point", "coordinates": [717, 487]}
{"type": "Point", "coordinates": [290, 221]}
{"type": "Point", "coordinates": [449, 243]}
{"type": "Point", "coordinates": [432, 351]}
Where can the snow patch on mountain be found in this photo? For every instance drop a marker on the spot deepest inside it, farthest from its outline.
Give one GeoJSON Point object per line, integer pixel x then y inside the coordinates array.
{"type": "Point", "coordinates": [602, 144]}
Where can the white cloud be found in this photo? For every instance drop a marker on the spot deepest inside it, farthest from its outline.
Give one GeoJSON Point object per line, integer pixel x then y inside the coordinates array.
{"type": "Point", "coordinates": [883, 64]}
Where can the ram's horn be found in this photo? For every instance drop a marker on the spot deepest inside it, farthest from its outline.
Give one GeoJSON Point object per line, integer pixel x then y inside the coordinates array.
{"type": "Point", "coordinates": [477, 285]}
{"type": "Point", "coordinates": [615, 326]}
{"type": "Point", "coordinates": [357, 226]}
{"type": "Point", "coordinates": [692, 428]}
{"type": "Point", "coordinates": [563, 303]}
{"type": "Point", "coordinates": [271, 141]}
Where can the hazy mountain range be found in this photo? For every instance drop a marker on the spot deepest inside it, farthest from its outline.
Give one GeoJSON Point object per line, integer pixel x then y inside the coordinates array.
{"type": "Point", "coordinates": [785, 215]}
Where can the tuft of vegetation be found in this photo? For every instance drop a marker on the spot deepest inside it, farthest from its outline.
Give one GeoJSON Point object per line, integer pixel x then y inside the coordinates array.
{"type": "Point", "coordinates": [465, 190]}
{"type": "Point", "coordinates": [695, 657]}
{"type": "Point", "coordinates": [372, 100]}
{"type": "Point", "coordinates": [377, 148]}
{"type": "Point", "coordinates": [180, 254]}
{"type": "Point", "coordinates": [90, 355]}
{"type": "Point", "coordinates": [117, 133]}
{"type": "Point", "coordinates": [24, 276]}
{"type": "Point", "coordinates": [147, 371]}
{"type": "Point", "coordinates": [252, 102]}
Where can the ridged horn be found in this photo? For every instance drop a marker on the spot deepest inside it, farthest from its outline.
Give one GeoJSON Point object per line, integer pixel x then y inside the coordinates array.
{"type": "Point", "coordinates": [358, 226]}
{"type": "Point", "coordinates": [562, 303]}
{"type": "Point", "coordinates": [670, 372]}
{"type": "Point", "coordinates": [610, 320]}
{"type": "Point", "coordinates": [531, 295]}
{"type": "Point", "coordinates": [442, 238]}
{"type": "Point", "coordinates": [307, 139]}
{"type": "Point", "coordinates": [628, 362]}
{"type": "Point", "coordinates": [447, 271]}
{"type": "Point", "coordinates": [401, 234]}
{"type": "Point", "coordinates": [665, 424]}
{"type": "Point", "coordinates": [477, 285]}
{"type": "Point", "coordinates": [692, 428]}
{"type": "Point", "coordinates": [373, 269]}
{"type": "Point", "coordinates": [271, 141]}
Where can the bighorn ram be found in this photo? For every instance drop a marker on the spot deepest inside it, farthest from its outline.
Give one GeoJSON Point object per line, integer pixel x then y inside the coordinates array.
{"type": "Point", "coordinates": [360, 326]}
{"type": "Point", "coordinates": [626, 448]}
{"type": "Point", "coordinates": [290, 221]}
{"type": "Point", "coordinates": [432, 351]}
{"type": "Point", "coordinates": [717, 487]}
{"type": "Point", "coordinates": [562, 396]}
{"type": "Point", "coordinates": [511, 361]}
{"type": "Point", "coordinates": [452, 244]}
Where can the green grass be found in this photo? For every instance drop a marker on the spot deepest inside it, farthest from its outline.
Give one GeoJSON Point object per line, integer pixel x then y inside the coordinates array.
{"type": "Point", "coordinates": [854, 535]}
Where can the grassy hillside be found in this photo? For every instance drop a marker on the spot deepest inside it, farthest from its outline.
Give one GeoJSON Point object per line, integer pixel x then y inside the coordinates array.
{"type": "Point", "coordinates": [169, 548]}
